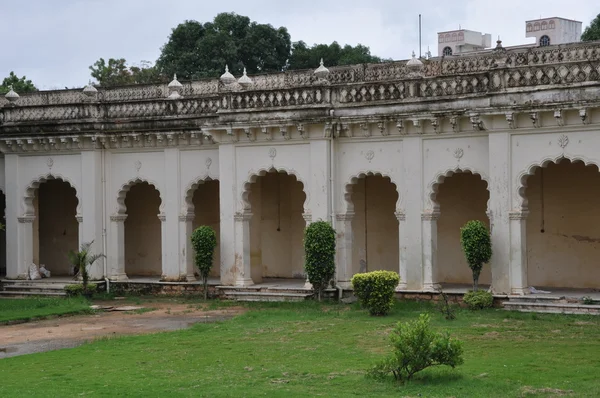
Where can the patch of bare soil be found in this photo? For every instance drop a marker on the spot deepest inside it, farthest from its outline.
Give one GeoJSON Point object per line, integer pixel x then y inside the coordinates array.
{"type": "Point", "coordinates": [551, 392]}
{"type": "Point", "coordinates": [68, 332]}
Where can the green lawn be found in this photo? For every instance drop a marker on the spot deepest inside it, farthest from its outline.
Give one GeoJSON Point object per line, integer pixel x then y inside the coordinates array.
{"type": "Point", "coordinates": [307, 349]}
{"type": "Point", "coordinates": [37, 307]}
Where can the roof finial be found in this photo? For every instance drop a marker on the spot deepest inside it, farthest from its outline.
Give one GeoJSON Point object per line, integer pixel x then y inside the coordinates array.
{"type": "Point", "coordinates": [245, 81]}
{"type": "Point", "coordinates": [321, 72]}
{"type": "Point", "coordinates": [12, 96]}
{"type": "Point", "coordinates": [227, 77]}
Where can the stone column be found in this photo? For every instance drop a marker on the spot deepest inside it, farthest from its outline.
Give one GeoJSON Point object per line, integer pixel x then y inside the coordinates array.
{"type": "Point", "coordinates": [170, 229]}
{"type": "Point", "coordinates": [242, 249]}
{"type": "Point", "coordinates": [116, 251]}
{"type": "Point", "coordinates": [499, 186]}
{"type": "Point", "coordinates": [308, 219]}
{"type": "Point", "coordinates": [344, 249]}
{"type": "Point", "coordinates": [402, 266]}
{"type": "Point", "coordinates": [25, 247]}
{"type": "Point", "coordinates": [92, 198]}
{"type": "Point", "coordinates": [429, 221]}
{"type": "Point", "coordinates": [229, 199]}
{"type": "Point", "coordinates": [518, 252]}
{"type": "Point", "coordinates": [186, 228]}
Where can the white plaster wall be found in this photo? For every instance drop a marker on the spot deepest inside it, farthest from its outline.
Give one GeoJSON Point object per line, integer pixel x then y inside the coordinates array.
{"type": "Point", "coordinates": [565, 207]}
{"type": "Point", "coordinates": [374, 199]}
{"type": "Point", "coordinates": [206, 211]}
{"type": "Point", "coordinates": [143, 248]}
{"type": "Point", "coordinates": [462, 197]}
{"type": "Point", "coordinates": [2, 175]}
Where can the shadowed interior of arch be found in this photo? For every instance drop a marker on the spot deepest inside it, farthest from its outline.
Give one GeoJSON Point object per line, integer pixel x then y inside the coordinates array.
{"type": "Point", "coordinates": [461, 197]}
{"type": "Point", "coordinates": [276, 227]}
{"type": "Point", "coordinates": [374, 226]}
{"type": "Point", "coordinates": [563, 225]}
{"type": "Point", "coordinates": [55, 228]}
{"type": "Point", "coordinates": [143, 243]}
{"type": "Point", "coordinates": [205, 200]}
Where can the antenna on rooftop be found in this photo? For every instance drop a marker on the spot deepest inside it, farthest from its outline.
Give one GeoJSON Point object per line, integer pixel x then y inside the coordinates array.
{"type": "Point", "coordinates": [419, 35]}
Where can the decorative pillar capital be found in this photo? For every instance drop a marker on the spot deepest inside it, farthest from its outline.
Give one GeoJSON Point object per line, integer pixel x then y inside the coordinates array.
{"type": "Point", "coordinates": [349, 216]}
{"type": "Point", "coordinates": [518, 215]}
{"type": "Point", "coordinates": [79, 218]}
{"type": "Point", "coordinates": [118, 217]}
{"type": "Point", "coordinates": [307, 217]}
{"type": "Point", "coordinates": [26, 219]}
{"type": "Point", "coordinates": [162, 217]}
{"type": "Point", "coordinates": [185, 217]}
{"type": "Point", "coordinates": [400, 215]}
{"type": "Point", "coordinates": [242, 216]}
{"type": "Point", "coordinates": [430, 215]}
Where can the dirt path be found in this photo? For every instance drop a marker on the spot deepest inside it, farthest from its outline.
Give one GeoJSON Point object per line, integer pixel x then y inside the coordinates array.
{"type": "Point", "coordinates": [68, 332]}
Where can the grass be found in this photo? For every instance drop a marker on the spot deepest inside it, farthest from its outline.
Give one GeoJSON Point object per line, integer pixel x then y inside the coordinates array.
{"type": "Point", "coordinates": [309, 349]}
{"type": "Point", "coordinates": [15, 310]}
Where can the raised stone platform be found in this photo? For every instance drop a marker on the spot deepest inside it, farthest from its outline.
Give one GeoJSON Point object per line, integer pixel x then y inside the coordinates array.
{"type": "Point", "coordinates": [51, 287]}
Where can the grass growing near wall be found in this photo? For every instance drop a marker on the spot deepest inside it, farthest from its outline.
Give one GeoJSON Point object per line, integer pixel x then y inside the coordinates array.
{"type": "Point", "coordinates": [37, 307]}
{"type": "Point", "coordinates": [307, 349]}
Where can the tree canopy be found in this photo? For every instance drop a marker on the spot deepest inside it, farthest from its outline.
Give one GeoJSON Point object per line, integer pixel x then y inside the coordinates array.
{"type": "Point", "coordinates": [196, 50]}
{"type": "Point", "coordinates": [116, 72]}
{"type": "Point", "coordinates": [592, 32]}
{"type": "Point", "coordinates": [21, 85]}
{"type": "Point", "coordinates": [305, 57]}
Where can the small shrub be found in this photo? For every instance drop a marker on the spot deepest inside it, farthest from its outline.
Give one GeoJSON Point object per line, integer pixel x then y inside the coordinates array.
{"type": "Point", "coordinates": [83, 259]}
{"type": "Point", "coordinates": [319, 250]}
{"type": "Point", "coordinates": [417, 347]}
{"type": "Point", "coordinates": [78, 289]}
{"type": "Point", "coordinates": [587, 300]}
{"type": "Point", "coordinates": [445, 308]}
{"type": "Point", "coordinates": [477, 246]}
{"type": "Point", "coordinates": [375, 290]}
{"type": "Point", "coordinates": [204, 241]}
{"type": "Point", "coordinates": [479, 300]}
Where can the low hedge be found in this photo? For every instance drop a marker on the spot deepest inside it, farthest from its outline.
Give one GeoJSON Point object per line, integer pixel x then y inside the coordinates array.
{"type": "Point", "coordinates": [478, 300]}
{"type": "Point", "coordinates": [375, 290]}
{"type": "Point", "coordinates": [76, 289]}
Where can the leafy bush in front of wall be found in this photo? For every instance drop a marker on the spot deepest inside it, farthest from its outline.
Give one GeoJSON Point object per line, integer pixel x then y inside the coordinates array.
{"type": "Point", "coordinates": [82, 259]}
{"type": "Point", "coordinates": [77, 289]}
{"type": "Point", "coordinates": [319, 252]}
{"type": "Point", "coordinates": [375, 290]}
{"type": "Point", "coordinates": [204, 242]}
{"type": "Point", "coordinates": [480, 299]}
{"type": "Point", "coordinates": [417, 347]}
{"type": "Point", "coordinates": [477, 246]}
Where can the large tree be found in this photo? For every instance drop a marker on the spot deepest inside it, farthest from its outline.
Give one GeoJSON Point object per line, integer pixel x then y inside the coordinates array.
{"type": "Point", "coordinates": [116, 72]}
{"type": "Point", "coordinates": [195, 50]}
{"type": "Point", "coordinates": [21, 85]}
{"type": "Point", "coordinates": [305, 57]}
{"type": "Point", "coordinates": [592, 32]}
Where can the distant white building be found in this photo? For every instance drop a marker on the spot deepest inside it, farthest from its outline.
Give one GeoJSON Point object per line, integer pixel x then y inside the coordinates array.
{"type": "Point", "coordinates": [546, 31]}
{"type": "Point", "coordinates": [555, 30]}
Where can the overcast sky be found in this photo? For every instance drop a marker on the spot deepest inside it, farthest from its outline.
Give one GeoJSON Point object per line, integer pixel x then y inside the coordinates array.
{"type": "Point", "coordinates": [53, 42]}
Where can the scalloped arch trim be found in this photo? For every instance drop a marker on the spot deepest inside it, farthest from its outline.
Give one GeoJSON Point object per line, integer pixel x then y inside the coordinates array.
{"type": "Point", "coordinates": [433, 187]}
{"type": "Point", "coordinates": [28, 207]}
{"type": "Point", "coordinates": [348, 188]}
{"type": "Point", "coordinates": [253, 176]}
{"type": "Point", "coordinates": [121, 208]}
{"type": "Point", "coordinates": [188, 200]}
{"type": "Point", "coordinates": [522, 178]}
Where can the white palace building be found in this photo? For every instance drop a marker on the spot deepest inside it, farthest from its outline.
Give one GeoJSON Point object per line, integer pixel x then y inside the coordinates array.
{"type": "Point", "coordinates": [397, 156]}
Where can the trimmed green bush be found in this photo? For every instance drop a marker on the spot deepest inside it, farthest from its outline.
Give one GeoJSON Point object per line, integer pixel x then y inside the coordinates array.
{"type": "Point", "coordinates": [204, 242]}
{"type": "Point", "coordinates": [477, 246]}
{"type": "Point", "coordinates": [375, 290]}
{"type": "Point", "coordinates": [479, 299]}
{"type": "Point", "coordinates": [417, 347]}
{"type": "Point", "coordinates": [77, 289]}
{"type": "Point", "coordinates": [319, 252]}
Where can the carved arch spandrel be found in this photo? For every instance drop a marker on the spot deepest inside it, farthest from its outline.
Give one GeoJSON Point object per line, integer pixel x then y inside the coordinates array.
{"type": "Point", "coordinates": [521, 201]}
{"type": "Point", "coordinates": [253, 176]}
{"type": "Point", "coordinates": [27, 204]}
{"type": "Point", "coordinates": [353, 180]}
{"type": "Point", "coordinates": [122, 194]}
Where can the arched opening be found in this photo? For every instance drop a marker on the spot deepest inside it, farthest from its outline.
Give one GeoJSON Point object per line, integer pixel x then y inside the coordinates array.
{"type": "Point", "coordinates": [563, 226]}
{"type": "Point", "coordinates": [55, 228]}
{"type": "Point", "coordinates": [374, 226]}
{"type": "Point", "coordinates": [207, 212]}
{"type": "Point", "coordinates": [2, 235]}
{"type": "Point", "coordinates": [143, 243]}
{"type": "Point", "coordinates": [544, 41]}
{"type": "Point", "coordinates": [447, 51]}
{"type": "Point", "coordinates": [461, 197]}
{"type": "Point", "coordinates": [276, 227]}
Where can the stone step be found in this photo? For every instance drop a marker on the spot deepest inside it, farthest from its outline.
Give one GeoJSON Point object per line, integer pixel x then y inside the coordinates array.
{"type": "Point", "coordinates": [38, 288]}
{"type": "Point", "coordinates": [266, 296]}
{"type": "Point", "coordinates": [553, 308]}
{"type": "Point", "coordinates": [21, 293]}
